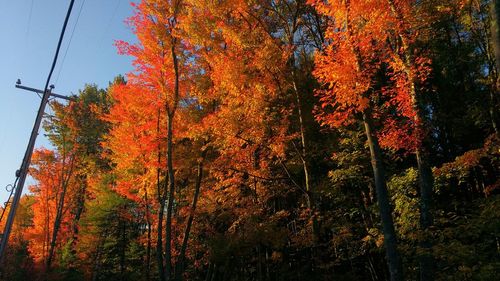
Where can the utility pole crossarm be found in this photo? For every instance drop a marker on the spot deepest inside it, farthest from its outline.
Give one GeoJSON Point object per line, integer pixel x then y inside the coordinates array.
{"type": "Point", "coordinates": [41, 92]}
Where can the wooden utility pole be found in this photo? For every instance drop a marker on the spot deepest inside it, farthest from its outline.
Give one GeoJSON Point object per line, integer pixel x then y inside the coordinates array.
{"type": "Point", "coordinates": [22, 173]}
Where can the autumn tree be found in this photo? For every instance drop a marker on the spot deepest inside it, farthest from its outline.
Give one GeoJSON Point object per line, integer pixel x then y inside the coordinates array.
{"type": "Point", "coordinates": [348, 68]}
{"type": "Point", "coordinates": [237, 148]}
{"type": "Point", "coordinates": [257, 118]}
{"type": "Point", "coordinates": [76, 129]}
{"type": "Point", "coordinates": [163, 68]}
{"type": "Point", "coordinates": [133, 145]}
{"type": "Point", "coordinates": [297, 30]}
{"type": "Point", "coordinates": [53, 192]}
{"type": "Point", "coordinates": [410, 69]}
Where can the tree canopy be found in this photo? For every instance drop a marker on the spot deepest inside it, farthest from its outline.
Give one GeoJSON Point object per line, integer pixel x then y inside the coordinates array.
{"type": "Point", "coordinates": [276, 140]}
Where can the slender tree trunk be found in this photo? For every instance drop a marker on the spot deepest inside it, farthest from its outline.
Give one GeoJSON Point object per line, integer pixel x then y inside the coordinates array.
{"type": "Point", "coordinates": [46, 240]}
{"type": "Point", "coordinates": [425, 176]}
{"type": "Point", "coordinates": [159, 230]}
{"type": "Point", "coordinates": [495, 41]}
{"type": "Point", "coordinates": [303, 153]}
{"type": "Point", "coordinates": [76, 222]}
{"type": "Point", "coordinates": [425, 180]}
{"type": "Point", "coordinates": [425, 183]}
{"type": "Point", "coordinates": [182, 255]}
{"type": "Point", "coordinates": [79, 209]}
{"type": "Point", "coordinates": [59, 211]}
{"type": "Point", "coordinates": [170, 202]}
{"type": "Point", "coordinates": [170, 165]}
{"type": "Point", "coordinates": [259, 263]}
{"type": "Point", "coordinates": [209, 272]}
{"type": "Point", "coordinates": [148, 247]}
{"type": "Point", "coordinates": [159, 243]}
{"type": "Point", "coordinates": [161, 207]}
{"type": "Point", "coordinates": [390, 241]}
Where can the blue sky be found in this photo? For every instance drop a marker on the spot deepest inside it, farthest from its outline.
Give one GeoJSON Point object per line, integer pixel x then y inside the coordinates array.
{"type": "Point", "coordinates": [29, 30]}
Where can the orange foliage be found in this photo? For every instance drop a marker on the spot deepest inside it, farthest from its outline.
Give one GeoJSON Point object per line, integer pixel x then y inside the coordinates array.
{"type": "Point", "coordinates": [351, 59]}
{"type": "Point", "coordinates": [50, 171]}
{"type": "Point", "coordinates": [140, 106]}
{"type": "Point", "coordinates": [245, 66]}
{"type": "Point", "coordinates": [363, 42]}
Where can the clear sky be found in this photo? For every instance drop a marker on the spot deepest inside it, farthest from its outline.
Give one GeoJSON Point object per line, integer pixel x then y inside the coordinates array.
{"type": "Point", "coordinates": [29, 31]}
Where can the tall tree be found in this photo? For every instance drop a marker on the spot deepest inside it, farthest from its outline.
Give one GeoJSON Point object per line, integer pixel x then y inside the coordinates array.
{"type": "Point", "coordinates": [163, 67]}
{"type": "Point", "coordinates": [411, 69]}
{"type": "Point", "coordinates": [347, 68]}
{"type": "Point", "coordinates": [77, 129]}
{"type": "Point", "coordinates": [54, 182]}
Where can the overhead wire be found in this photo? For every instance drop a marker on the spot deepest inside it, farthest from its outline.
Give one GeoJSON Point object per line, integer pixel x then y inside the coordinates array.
{"type": "Point", "coordinates": [108, 25]}
{"type": "Point", "coordinates": [69, 42]}
{"type": "Point", "coordinates": [61, 36]}
{"type": "Point", "coordinates": [30, 14]}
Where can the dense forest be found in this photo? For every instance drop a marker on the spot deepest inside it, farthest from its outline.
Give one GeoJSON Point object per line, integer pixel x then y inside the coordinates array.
{"type": "Point", "coordinates": [277, 140]}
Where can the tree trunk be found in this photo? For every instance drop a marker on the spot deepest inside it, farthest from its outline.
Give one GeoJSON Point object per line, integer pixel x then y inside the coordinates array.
{"type": "Point", "coordinates": [161, 208]}
{"type": "Point", "coordinates": [148, 247]}
{"type": "Point", "coordinates": [426, 180]}
{"type": "Point", "coordinates": [159, 243]}
{"type": "Point", "coordinates": [170, 202]}
{"type": "Point", "coordinates": [303, 153]}
{"type": "Point", "coordinates": [59, 211]}
{"type": "Point", "coordinates": [390, 241]}
{"type": "Point", "coordinates": [426, 185]}
{"type": "Point", "coordinates": [259, 263]}
{"type": "Point", "coordinates": [76, 221]}
{"type": "Point", "coordinates": [425, 176]}
{"type": "Point", "coordinates": [209, 272]}
{"type": "Point", "coordinates": [495, 41]}
{"type": "Point", "coordinates": [46, 240]}
{"type": "Point", "coordinates": [170, 165]}
{"type": "Point", "coordinates": [182, 255]}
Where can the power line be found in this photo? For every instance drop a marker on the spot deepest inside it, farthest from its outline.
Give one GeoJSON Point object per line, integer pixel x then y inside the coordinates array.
{"type": "Point", "coordinates": [29, 18]}
{"type": "Point", "coordinates": [69, 42]}
{"type": "Point", "coordinates": [61, 36]}
{"type": "Point", "coordinates": [108, 26]}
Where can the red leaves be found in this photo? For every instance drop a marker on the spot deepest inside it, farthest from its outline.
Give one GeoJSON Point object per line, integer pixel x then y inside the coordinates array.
{"type": "Point", "coordinates": [368, 39]}
{"type": "Point", "coordinates": [50, 170]}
